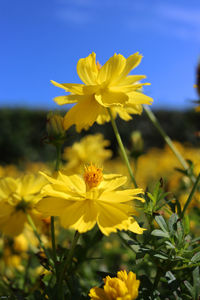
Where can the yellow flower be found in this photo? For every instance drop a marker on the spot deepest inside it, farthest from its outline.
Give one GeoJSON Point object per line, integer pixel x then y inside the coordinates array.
{"type": "Point", "coordinates": [18, 197]}
{"type": "Point", "coordinates": [90, 149]}
{"type": "Point", "coordinates": [106, 86]}
{"type": "Point", "coordinates": [123, 287]}
{"type": "Point", "coordinates": [81, 203]}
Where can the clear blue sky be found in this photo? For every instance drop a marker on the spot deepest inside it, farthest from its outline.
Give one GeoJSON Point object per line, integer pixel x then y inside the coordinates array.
{"type": "Point", "coordinates": [43, 40]}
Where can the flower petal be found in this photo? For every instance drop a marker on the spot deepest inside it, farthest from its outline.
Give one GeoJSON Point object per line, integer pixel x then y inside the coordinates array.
{"type": "Point", "coordinates": [109, 98]}
{"type": "Point", "coordinates": [74, 182]}
{"type": "Point", "coordinates": [74, 88]}
{"type": "Point", "coordinates": [134, 227]}
{"type": "Point", "coordinates": [131, 62]}
{"type": "Point", "coordinates": [13, 224]}
{"type": "Point", "coordinates": [81, 216]}
{"type": "Point", "coordinates": [111, 217]}
{"type": "Point", "coordinates": [87, 69]}
{"type": "Point", "coordinates": [120, 196]}
{"type": "Point", "coordinates": [8, 185]}
{"type": "Point", "coordinates": [112, 184]}
{"type": "Point", "coordinates": [112, 69]}
{"type": "Point", "coordinates": [61, 100]}
{"type": "Point", "coordinates": [97, 293]}
{"type": "Point", "coordinates": [83, 114]}
{"type": "Point", "coordinates": [52, 206]}
{"type": "Point", "coordinates": [131, 79]}
{"type": "Point", "coordinates": [139, 98]}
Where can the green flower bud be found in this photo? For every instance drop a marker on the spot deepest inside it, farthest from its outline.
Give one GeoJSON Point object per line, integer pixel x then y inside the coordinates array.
{"type": "Point", "coordinates": [55, 128]}
{"type": "Point", "coordinates": [137, 142]}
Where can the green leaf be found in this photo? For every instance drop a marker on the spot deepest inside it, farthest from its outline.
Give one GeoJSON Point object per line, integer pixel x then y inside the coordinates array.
{"type": "Point", "coordinates": [180, 231]}
{"type": "Point", "coordinates": [196, 257]}
{"type": "Point", "coordinates": [186, 223]}
{"type": "Point", "coordinates": [196, 283]}
{"type": "Point", "coordinates": [160, 233]}
{"type": "Point", "coordinates": [160, 256]}
{"type": "Point", "coordinates": [169, 245]}
{"type": "Point", "coordinates": [189, 287]}
{"type": "Point", "coordinates": [171, 223]}
{"type": "Point", "coordinates": [161, 222]}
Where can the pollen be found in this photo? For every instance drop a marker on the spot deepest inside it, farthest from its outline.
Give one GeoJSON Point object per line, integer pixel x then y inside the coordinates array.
{"type": "Point", "coordinates": [92, 176]}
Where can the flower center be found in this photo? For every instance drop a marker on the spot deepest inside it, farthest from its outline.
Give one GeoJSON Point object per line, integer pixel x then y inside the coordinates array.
{"type": "Point", "coordinates": [92, 176]}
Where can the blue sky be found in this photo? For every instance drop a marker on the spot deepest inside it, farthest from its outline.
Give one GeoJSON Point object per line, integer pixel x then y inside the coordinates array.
{"type": "Point", "coordinates": [43, 40]}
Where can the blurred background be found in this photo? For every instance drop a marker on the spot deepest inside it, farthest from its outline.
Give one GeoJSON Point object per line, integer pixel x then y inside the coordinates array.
{"type": "Point", "coordinates": [43, 40]}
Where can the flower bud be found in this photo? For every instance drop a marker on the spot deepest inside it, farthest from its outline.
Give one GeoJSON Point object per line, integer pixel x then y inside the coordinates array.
{"type": "Point", "coordinates": [137, 143]}
{"type": "Point", "coordinates": [54, 126]}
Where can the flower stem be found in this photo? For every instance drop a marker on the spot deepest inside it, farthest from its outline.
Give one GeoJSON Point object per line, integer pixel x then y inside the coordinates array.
{"type": "Point", "coordinates": [157, 278]}
{"type": "Point", "coordinates": [30, 220]}
{"type": "Point", "coordinates": [191, 195]}
{"type": "Point", "coordinates": [121, 146]}
{"type": "Point", "coordinates": [167, 139]}
{"type": "Point", "coordinates": [53, 242]}
{"type": "Point", "coordinates": [53, 239]}
{"type": "Point", "coordinates": [58, 156]}
{"type": "Point", "coordinates": [67, 263]}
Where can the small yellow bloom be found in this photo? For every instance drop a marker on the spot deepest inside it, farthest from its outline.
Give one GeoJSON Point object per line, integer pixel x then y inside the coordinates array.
{"type": "Point", "coordinates": [90, 149]}
{"type": "Point", "coordinates": [17, 198]}
{"type": "Point", "coordinates": [123, 287]}
{"type": "Point", "coordinates": [106, 86]}
{"type": "Point", "coordinates": [95, 198]}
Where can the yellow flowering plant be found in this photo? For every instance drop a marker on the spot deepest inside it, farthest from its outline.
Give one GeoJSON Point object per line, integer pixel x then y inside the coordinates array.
{"type": "Point", "coordinates": [123, 287]}
{"type": "Point", "coordinates": [82, 202]}
{"type": "Point", "coordinates": [17, 199]}
{"type": "Point", "coordinates": [86, 223]}
{"type": "Point", "coordinates": [107, 86]}
{"type": "Point", "coordinates": [90, 149]}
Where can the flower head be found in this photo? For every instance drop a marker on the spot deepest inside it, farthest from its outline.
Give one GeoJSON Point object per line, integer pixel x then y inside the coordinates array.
{"type": "Point", "coordinates": [106, 86]}
{"type": "Point", "coordinates": [95, 198]}
{"type": "Point", "coordinates": [90, 149]}
{"type": "Point", "coordinates": [17, 198]}
{"type": "Point", "coordinates": [123, 287]}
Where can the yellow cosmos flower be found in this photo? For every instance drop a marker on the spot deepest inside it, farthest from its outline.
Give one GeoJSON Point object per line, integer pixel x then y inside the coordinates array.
{"type": "Point", "coordinates": [123, 287]}
{"type": "Point", "coordinates": [17, 198]}
{"type": "Point", "coordinates": [95, 198]}
{"type": "Point", "coordinates": [90, 149]}
{"type": "Point", "coordinates": [106, 86]}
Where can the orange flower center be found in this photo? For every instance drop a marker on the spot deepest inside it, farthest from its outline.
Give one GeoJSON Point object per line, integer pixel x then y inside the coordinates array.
{"type": "Point", "coordinates": [92, 176]}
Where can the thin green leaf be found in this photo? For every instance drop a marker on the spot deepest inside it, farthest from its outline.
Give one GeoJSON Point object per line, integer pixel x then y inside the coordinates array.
{"type": "Point", "coordinates": [160, 233]}
{"type": "Point", "coordinates": [161, 222]}
{"type": "Point", "coordinates": [196, 257]}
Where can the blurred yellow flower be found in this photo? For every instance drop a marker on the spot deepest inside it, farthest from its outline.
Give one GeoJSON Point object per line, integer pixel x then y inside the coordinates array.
{"type": "Point", "coordinates": [81, 203]}
{"type": "Point", "coordinates": [123, 287]}
{"type": "Point", "coordinates": [106, 86]}
{"type": "Point", "coordinates": [90, 149]}
{"type": "Point", "coordinates": [17, 198]}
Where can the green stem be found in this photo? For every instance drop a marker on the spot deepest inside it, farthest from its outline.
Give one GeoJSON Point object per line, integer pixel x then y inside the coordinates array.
{"type": "Point", "coordinates": [191, 195]}
{"type": "Point", "coordinates": [67, 264]}
{"type": "Point", "coordinates": [186, 267]}
{"type": "Point", "coordinates": [30, 220]}
{"type": "Point", "coordinates": [53, 242]}
{"type": "Point", "coordinates": [126, 243]}
{"type": "Point", "coordinates": [58, 156]}
{"type": "Point", "coordinates": [121, 146]}
{"type": "Point", "coordinates": [157, 278]}
{"type": "Point", "coordinates": [167, 139]}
